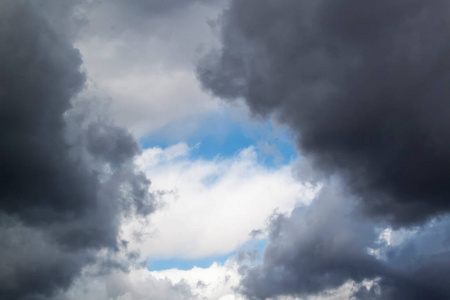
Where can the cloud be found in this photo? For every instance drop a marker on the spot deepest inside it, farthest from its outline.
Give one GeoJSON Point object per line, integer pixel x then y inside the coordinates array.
{"type": "Point", "coordinates": [314, 249]}
{"type": "Point", "coordinates": [329, 249]}
{"type": "Point", "coordinates": [141, 55]}
{"type": "Point", "coordinates": [417, 261]}
{"type": "Point", "coordinates": [34, 264]}
{"type": "Point", "coordinates": [67, 177]}
{"type": "Point", "coordinates": [363, 85]}
{"type": "Point", "coordinates": [214, 282]}
{"type": "Point", "coordinates": [207, 203]}
{"type": "Point", "coordinates": [135, 284]}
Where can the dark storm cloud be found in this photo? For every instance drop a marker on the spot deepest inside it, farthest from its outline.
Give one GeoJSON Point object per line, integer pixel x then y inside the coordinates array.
{"type": "Point", "coordinates": [66, 177]}
{"type": "Point", "coordinates": [320, 247]}
{"type": "Point", "coordinates": [417, 268]}
{"type": "Point", "coordinates": [314, 249]}
{"type": "Point", "coordinates": [364, 84]}
{"type": "Point", "coordinates": [39, 75]}
{"type": "Point", "coordinates": [32, 265]}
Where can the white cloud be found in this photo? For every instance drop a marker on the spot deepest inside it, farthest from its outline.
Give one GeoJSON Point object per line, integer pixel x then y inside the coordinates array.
{"type": "Point", "coordinates": [215, 282]}
{"type": "Point", "coordinates": [218, 282]}
{"type": "Point", "coordinates": [211, 206]}
{"type": "Point", "coordinates": [137, 284]}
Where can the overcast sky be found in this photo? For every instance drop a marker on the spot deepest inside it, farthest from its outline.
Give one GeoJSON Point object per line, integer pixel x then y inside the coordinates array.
{"type": "Point", "coordinates": [234, 150]}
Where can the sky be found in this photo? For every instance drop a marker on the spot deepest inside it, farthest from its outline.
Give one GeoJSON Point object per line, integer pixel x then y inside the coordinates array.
{"type": "Point", "coordinates": [224, 149]}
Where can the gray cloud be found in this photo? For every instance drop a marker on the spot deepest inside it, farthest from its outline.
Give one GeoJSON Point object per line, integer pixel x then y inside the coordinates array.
{"type": "Point", "coordinates": [118, 285]}
{"type": "Point", "coordinates": [320, 247]}
{"type": "Point", "coordinates": [34, 266]}
{"type": "Point", "coordinates": [416, 268]}
{"type": "Point", "coordinates": [67, 174]}
{"type": "Point", "coordinates": [114, 277]}
{"type": "Point", "coordinates": [40, 73]}
{"type": "Point", "coordinates": [363, 84]}
{"type": "Point", "coordinates": [117, 18]}
{"type": "Point", "coordinates": [316, 248]}
{"type": "Point", "coordinates": [144, 70]}
{"type": "Point", "coordinates": [155, 7]}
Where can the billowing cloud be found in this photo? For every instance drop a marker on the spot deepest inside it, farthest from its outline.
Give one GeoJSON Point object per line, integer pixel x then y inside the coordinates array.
{"type": "Point", "coordinates": [316, 248]}
{"type": "Point", "coordinates": [328, 248]}
{"type": "Point", "coordinates": [363, 84]}
{"type": "Point", "coordinates": [66, 177]}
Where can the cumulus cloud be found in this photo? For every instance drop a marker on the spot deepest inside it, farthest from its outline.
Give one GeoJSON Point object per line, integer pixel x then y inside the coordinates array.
{"type": "Point", "coordinates": [207, 203]}
{"type": "Point", "coordinates": [214, 282]}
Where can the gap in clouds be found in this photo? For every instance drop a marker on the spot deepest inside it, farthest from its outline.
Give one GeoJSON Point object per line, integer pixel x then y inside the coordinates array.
{"type": "Point", "coordinates": [236, 166]}
{"type": "Point", "coordinates": [251, 251]}
{"type": "Point", "coordinates": [155, 94]}
{"type": "Point", "coordinates": [224, 134]}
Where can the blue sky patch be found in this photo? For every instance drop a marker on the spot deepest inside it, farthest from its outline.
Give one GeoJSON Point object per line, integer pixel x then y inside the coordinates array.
{"type": "Point", "coordinates": [186, 264]}
{"type": "Point", "coordinates": [222, 135]}
{"type": "Point", "coordinates": [205, 262]}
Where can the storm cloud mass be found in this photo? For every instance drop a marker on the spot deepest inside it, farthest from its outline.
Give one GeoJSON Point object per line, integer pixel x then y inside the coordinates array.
{"type": "Point", "coordinates": [315, 248]}
{"type": "Point", "coordinates": [320, 248]}
{"type": "Point", "coordinates": [363, 84]}
{"type": "Point", "coordinates": [365, 88]}
{"type": "Point", "coordinates": [66, 177]}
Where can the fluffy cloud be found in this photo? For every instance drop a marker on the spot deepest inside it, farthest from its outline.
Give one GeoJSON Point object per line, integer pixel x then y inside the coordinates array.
{"type": "Point", "coordinates": [214, 282]}
{"type": "Point", "coordinates": [211, 206]}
